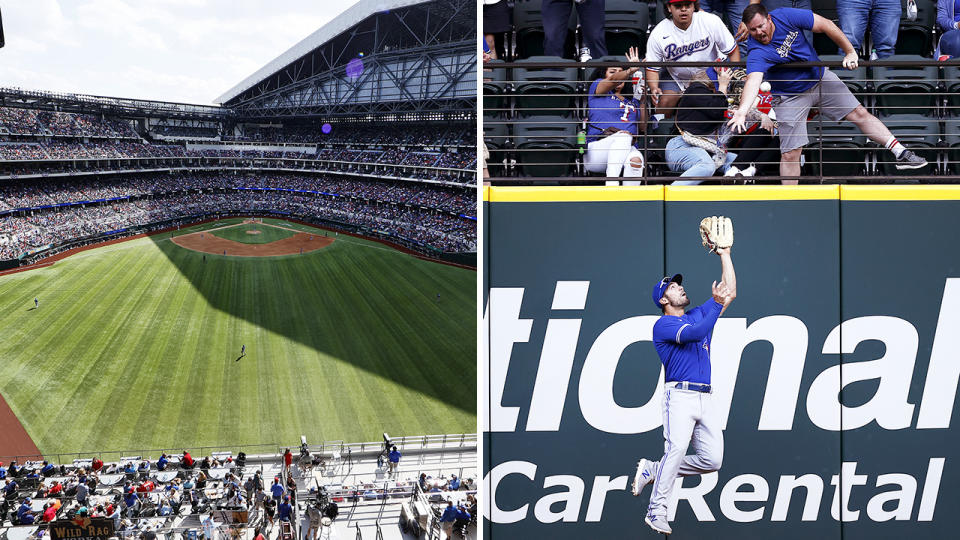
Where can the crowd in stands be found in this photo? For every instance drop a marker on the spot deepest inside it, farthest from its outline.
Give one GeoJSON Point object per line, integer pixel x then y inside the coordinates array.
{"type": "Point", "coordinates": [425, 214]}
{"type": "Point", "coordinates": [186, 131]}
{"type": "Point", "coordinates": [16, 121]}
{"type": "Point", "coordinates": [899, 115]}
{"type": "Point", "coordinates": [374, 135]}
{"type": "Point", "coordinates": [128, 490]}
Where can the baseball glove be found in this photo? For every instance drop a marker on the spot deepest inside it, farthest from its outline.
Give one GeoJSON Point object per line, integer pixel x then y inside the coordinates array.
{"type": "Point", "coordinates": [716, 232]}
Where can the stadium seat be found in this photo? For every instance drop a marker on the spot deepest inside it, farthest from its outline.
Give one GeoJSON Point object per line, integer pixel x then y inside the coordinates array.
{"type": "Point", "coordinates": [914, 39]}
{"type": "Point", "coordinates": [546, 91]}
{"type": "Point", "coordinates": [545, 146]}
{"type": "Point", "coordinates": [654, 145]}
{"type": "Point", "coordinates": [918, 133]}
{"type": "Point", "coordinates": [528, 25]}
{"type": "Point", "coordinates": [627, 22]}
{"type": "Point", "coordinates": [926, 13]}
{"type": "Point", "coordinates": [951, 78]}
{"type": "Point", "coordinates": [495, 87]}
{"type": "Point", "coordinates": [858, 80]}
{"type": "Point", "coordinates": [825, 8]}
{"type": "Point", "coordinates": [952, 143]}
{"type": "Point", "coordinates": [905, 90]}
{"type": "Point", "coordinates": [839, 146]}
{"type": "Point", "coordinates": [496, 134]}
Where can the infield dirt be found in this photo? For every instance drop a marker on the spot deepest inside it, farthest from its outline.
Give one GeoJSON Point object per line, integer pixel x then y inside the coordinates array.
{"type": "Point", "coordinates": [208, 243]}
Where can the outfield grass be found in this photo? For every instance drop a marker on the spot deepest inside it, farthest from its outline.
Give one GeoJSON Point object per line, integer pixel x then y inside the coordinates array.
{"type": "Point", "coordinates": [242, 233]}
{"type": "Point", "coordinates": [135, 345]}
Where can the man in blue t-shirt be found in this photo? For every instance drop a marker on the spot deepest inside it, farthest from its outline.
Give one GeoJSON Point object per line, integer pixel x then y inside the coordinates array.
{"type": "Point", "coordinates": [682, 340]}
{"type": "Point", "coordinates": [777, 38]}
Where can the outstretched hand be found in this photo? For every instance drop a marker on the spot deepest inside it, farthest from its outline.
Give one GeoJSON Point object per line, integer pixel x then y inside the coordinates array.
{"type": "Point", "coordinates": [742, 32]}
{"type": "Point", "coordinates": [633, 55]}
{"type": "Point", "coordinates": [720, 293]}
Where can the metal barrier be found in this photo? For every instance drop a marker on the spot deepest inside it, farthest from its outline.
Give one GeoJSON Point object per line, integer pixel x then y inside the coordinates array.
{"type": "Point", "coordinates": [66, 458]}
{"type": "Point", "coordinates": [536, 124]}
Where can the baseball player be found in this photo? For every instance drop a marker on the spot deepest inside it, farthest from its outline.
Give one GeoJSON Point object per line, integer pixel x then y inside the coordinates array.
{"type": "Point", "coordinates": [687, 34]}
{"type": "Point", "coordinates": [682, 340]}
{"type": "Point", "coordinates": [36, 303]}
{"type": "Point", "coordinates": [243, 352]}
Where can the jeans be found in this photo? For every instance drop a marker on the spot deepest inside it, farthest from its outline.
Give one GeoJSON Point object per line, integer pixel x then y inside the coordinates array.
{"type": "Point", "coordinates": [692, 161]}
{"type": "Point", "coordinates": [733, 9]}
{"type": "Point", "coordinates": [883, 16]}
{"type": "Point", "coordinates": [556, 17]}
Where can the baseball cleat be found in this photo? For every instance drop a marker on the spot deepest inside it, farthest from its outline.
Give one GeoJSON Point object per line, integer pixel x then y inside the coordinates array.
{"type": "Point", "coordinates": [909, 160]}
{"type": "Point", "coordinates": [643, 476]}
{"type": "Point", "coordinates": [659, 524]}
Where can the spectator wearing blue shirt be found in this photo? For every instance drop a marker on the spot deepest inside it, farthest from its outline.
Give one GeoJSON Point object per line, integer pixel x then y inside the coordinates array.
{"type": "Point", "coordinates": [454, 483]}
{"type": "Point", "coordinates": [777, 38]}
{"type": "Point", "coordinates": [463, 518]}
{"type": "Point", "coordinates": [948, 19]}
{"type": "Point", "coordinates": [394, 459]}
{"type": "Point", "coordinates": [284, 511]}
{"type": "Point", "coordinates": [276, 489]}
{"type": "Point", "coordinates": [47, 469]}
{"type": "Point", "coordinates": [3, 472]}
{"type": "Point", "coordinates": [447, 518]}
{"type": "Point", "coordinates": [9, 488]}
{"type": "Point", "coordinates": [613, 122]}
{"type": "Point", "coordinates": [162, 462]}
{"type": "Point", "coordinates": [23, 508]}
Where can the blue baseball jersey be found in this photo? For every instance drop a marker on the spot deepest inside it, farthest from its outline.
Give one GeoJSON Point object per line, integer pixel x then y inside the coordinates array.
{"type": "Point", "coordinates": [607, 111]}
{"type": "Point", "coordinates": [683, 343]}
{"type": "Point", "coordinates": [788, 45]}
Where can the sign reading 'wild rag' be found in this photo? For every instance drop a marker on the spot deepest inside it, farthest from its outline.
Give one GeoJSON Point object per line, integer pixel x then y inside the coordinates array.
{"type": "Point", "coordinates": [82, 529]}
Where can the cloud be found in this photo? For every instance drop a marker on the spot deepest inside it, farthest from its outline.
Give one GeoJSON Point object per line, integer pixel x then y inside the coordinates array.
{"type": "Point", "coordinates": [176, 50]}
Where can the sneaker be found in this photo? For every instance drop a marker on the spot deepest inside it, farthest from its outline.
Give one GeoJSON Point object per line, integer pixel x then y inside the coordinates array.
{"type": "Point", "coordinates": [732, 171]}
{"type": "Point", "coordinates": [749, 171]}
{"type": "Point", "coordinates": [909, 160]}
{"type": "Point", "coordinates": [585, 55]}
{"type": "Point", "coordinates": [659, 524]}
{"type": "Point", "coordinates": [643, 476]}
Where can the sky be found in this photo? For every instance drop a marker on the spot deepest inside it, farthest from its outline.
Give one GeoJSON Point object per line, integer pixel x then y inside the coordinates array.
{"type": "Point", "coordinates": [189, 51]}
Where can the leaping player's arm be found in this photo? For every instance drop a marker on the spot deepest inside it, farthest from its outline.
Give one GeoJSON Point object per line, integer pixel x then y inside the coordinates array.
{"type": "Point", "coordinates": [728, 277]}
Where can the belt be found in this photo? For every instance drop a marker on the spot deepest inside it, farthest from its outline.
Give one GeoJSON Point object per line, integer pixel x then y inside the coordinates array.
{"type": "Point", "coordinates": [696, 387]}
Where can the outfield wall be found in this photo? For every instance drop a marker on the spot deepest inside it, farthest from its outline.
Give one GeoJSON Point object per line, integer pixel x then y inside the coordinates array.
{"type": "Point", "coordinates": [833, 369]}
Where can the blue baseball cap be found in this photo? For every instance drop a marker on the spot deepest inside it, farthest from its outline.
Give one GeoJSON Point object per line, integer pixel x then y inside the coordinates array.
{"type": "Point", "coordinates": [661, 287]}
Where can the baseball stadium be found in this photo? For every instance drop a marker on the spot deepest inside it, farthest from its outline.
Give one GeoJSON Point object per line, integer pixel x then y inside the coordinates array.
{"type": "Point", "coordinates": [190, 291]}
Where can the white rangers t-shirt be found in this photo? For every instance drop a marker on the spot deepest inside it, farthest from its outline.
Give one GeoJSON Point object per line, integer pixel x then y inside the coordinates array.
{"type": "Point", "coordinates": [705, 40]}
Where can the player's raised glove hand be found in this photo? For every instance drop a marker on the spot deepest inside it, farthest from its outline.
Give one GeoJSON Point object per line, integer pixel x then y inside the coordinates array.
{"type": "Point", "coordinates": [716, 232]}
{"type": "Point", "coordinates": [851, 61]}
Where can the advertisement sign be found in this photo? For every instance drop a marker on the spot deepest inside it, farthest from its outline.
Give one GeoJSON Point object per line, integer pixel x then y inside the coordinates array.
{"type": "Point", "coordinates": [832, 375]}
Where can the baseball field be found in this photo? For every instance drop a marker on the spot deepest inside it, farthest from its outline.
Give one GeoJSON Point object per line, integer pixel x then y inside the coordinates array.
{"type": "Point", "coordinates": [137, 345]}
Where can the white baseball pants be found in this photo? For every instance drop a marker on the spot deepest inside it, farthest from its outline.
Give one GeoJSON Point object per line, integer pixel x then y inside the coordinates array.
{"type": "Point", "coordinates": [688, 417]}
{"type": "Point", "coordinates": [612, 155]}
